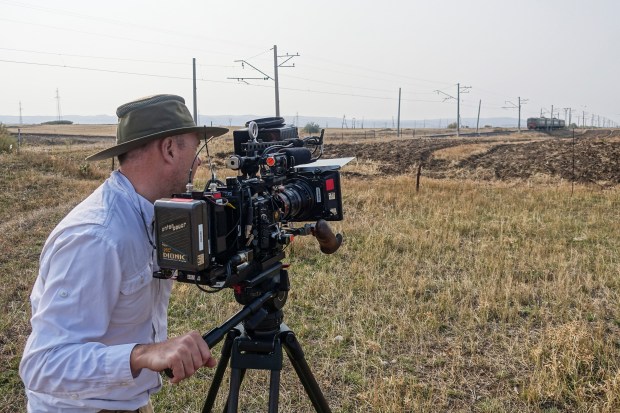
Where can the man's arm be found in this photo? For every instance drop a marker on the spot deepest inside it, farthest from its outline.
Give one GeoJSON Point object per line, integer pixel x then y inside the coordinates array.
{"type": "Point", "coordinates": [75, 296]}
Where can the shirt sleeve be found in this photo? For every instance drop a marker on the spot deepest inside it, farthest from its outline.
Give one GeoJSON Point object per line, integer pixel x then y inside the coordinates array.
{"type": "Point", "coordinates": [75, 295]}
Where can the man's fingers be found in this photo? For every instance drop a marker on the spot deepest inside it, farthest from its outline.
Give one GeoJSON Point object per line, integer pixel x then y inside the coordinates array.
{"type": "Point", "coordinates": [191, 353]}
{"type": "Point", "coordinates": [205, 352]}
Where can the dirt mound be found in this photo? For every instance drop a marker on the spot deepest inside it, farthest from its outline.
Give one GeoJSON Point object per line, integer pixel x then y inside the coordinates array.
{"type": "Point", "coordinates": [593, 156]}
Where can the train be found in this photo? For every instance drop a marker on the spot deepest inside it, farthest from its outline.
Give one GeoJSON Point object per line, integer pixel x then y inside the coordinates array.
{"type": "Point", "coordinates": [545, 123]}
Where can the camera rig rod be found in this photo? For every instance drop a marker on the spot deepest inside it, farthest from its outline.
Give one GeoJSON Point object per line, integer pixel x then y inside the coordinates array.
{"type": "Point", "coordinates": [215, 335]}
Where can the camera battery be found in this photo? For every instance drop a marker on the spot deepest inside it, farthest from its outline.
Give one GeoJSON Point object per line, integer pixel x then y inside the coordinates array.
{"type": "Point", "coordinates": [182, 234]}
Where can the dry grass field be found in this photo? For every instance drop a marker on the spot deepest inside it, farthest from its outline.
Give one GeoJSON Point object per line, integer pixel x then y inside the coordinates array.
{"type": "Point", "coordinates": [494, 288]}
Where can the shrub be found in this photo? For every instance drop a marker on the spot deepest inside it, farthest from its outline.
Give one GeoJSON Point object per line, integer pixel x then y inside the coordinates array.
{"type": "Point", "coordinates": [58, 122]}
{"type": "Point", "coordinates": [312, 127]}
{"type": "Point", "coordinates": [7, 142]}
{"type": "Point", "coordinates": [452, 125]}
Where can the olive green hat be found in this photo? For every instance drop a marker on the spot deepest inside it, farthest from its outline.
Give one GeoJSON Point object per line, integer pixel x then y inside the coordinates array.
{"type": "Point", "coordinates": [150, 118]}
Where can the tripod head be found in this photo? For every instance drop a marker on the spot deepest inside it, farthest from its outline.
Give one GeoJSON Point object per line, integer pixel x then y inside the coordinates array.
{"type": "Point", "coordinates": [263, 298]}
{"type": "Point", "coordinates": [267, 319]}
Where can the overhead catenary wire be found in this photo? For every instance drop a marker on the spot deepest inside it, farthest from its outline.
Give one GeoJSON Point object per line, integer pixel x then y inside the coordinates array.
{"type": "Point", "coordinates": [389, 93]}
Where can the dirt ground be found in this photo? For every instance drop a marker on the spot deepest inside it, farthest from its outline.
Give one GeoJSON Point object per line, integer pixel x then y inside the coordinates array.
{"type": "Point", "coordinates": [593, 156]}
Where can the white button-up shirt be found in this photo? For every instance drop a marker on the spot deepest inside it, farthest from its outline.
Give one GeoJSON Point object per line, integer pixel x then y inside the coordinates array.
{"type": "Point", "coordinates": [95, 298]}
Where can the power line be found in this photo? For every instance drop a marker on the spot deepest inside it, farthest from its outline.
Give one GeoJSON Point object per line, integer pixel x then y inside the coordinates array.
{"type": "Point", "coordinates": [204, 80]}
{"type": "Point", "coordinates": [61, 54]}
{"type": "Point", "coordinates": [99, 70]}
{"type": "Point", "coordinates": [160, 44]}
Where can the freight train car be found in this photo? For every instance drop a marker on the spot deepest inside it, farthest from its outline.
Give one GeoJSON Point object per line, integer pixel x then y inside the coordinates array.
{"type": "Point", "coordinates": [545, 123]}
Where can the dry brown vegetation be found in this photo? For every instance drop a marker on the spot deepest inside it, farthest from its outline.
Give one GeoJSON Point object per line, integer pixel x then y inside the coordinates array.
{"type": "Point", "coordinates": [495, 288]}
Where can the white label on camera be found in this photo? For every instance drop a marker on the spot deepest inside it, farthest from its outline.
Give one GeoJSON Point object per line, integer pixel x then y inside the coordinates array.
{"type": "Point", "coordinates": [318, 194]}
{"type": "Point", "coordinates": [331, 196]}
{"type": "Point", "coordinates": [201, 244]}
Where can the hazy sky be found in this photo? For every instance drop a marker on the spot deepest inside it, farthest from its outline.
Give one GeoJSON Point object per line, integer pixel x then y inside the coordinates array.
{"type": "Point", "coordinates": [354, 55]}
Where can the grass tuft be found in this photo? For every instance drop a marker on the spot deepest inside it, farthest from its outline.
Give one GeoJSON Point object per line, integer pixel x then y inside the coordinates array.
{"type": "Point", "coordinates": [464, 296]}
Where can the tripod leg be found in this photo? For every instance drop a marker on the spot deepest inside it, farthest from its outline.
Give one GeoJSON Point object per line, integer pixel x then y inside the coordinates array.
{"type": "Point", "coordinates": [219, 372]}
{"type": "Point", "coordinates": [298, 360]}
{"type": "Point", "coordinates": [232, 404]}
{"type": "Point", "coordinates": [274, 391]}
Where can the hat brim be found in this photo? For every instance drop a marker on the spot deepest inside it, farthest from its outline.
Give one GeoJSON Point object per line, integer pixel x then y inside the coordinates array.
{"type": "Point", "coordinates": [204, 132]}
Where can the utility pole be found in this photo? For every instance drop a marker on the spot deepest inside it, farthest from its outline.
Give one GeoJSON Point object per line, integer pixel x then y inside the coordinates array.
{"type": "Point", "coordinates": [459, 89]}
{"type": "Point", "coordinates": [464, 89]}
{"type": "Point", "coordinates": [458, 109]}
{"type": "Point", "coordinates": [195, 102]}
{"type": "Point", "coordinates": [583, 119]}
{"type": "Point", "coordinates": [398, 128]}
{"type": "Point", "coordinates": [275, 77]}
{"type": "Point", "coordinates": [513, 106]}
{"type": "Point", "coordinates": [550, 126]}
{"type": "Point", "coordinates": [478, 120]}
{"type": "Point", "coordinates": [58, 112]}
{"type": "Point", "coordinates": [521, 102]}
{"type": "Point", "coordinates": [20, 113]}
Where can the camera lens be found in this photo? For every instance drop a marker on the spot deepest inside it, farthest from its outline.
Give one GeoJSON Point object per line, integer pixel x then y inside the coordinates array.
{"type": "Point", "coordinates": [296, 201]}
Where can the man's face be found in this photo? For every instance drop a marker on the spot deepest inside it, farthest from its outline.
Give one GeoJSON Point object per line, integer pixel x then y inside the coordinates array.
{"type": "Point", "coordinates": [187, 146]}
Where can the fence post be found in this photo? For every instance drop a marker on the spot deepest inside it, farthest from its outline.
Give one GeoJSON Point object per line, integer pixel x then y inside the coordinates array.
{"type": "Point", "coordinates": [417, 178]}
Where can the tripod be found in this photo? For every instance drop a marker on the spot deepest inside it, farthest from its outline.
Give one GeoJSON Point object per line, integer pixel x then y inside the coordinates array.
{"type": "Point", "coordinates": [254, 340]}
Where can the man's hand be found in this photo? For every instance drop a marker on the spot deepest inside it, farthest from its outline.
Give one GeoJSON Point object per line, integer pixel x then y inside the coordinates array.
{"type": "Point", "coordinates": [183, 355]}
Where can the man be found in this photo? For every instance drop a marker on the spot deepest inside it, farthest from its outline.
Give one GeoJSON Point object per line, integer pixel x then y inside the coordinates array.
{"type": "Point", "coordinates": [99, 323]}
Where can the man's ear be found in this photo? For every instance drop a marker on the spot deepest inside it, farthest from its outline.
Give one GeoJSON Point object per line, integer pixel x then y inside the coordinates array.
{"type": "Point", "coordinates": [166, 148]}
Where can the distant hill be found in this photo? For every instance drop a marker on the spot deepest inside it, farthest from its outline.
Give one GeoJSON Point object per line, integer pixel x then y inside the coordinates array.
{"type": "Point", "coordinates": [322, 121]}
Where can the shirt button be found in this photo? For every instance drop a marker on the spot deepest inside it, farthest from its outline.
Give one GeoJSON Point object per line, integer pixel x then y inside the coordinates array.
{"type": "Point", "coordinates": [63, 293]}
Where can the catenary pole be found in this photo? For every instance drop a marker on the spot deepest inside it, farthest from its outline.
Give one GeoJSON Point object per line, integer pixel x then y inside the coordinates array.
{"type": "Point", "coordinates": [519, 122]}
{"type": "Point", "coordinates": [195, 101]}
{"type": "Point", "coordinates": [458, 109]}
{"type": "Point", "coordinates": [478, 120]}
{"type": "Point", "coordinates": [275, 77]}
{"type": "Point", "coordinates": [398, 128]}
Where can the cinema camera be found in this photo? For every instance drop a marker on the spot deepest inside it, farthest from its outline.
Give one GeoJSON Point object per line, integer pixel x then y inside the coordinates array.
{"type": "Point", "coordinates": [234, 235]}
{"type": "Point", "coordinates": [233, 232]}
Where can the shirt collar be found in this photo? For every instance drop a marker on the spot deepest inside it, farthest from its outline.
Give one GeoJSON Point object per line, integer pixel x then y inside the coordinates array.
{"type": "Point", "coordinates": [142, 205]}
